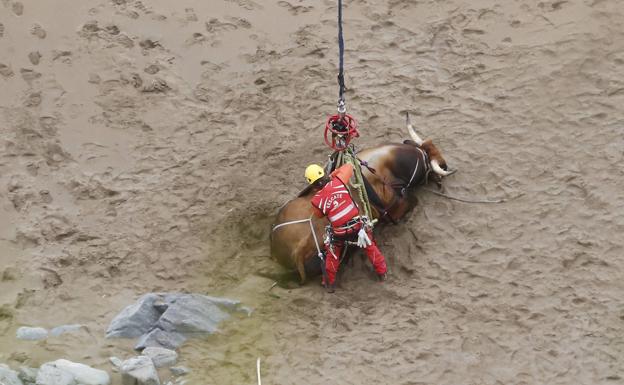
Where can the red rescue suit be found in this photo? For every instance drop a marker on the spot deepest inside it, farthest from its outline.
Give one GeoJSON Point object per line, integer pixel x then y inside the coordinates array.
{"type": "Point", "coordinates": [335, 202]}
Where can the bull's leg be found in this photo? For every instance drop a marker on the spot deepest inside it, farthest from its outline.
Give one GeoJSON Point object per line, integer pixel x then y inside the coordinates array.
{"type": "Point", "coordinates": [301, 269]}
{"type": "Point", "coordinates": [300, 253]}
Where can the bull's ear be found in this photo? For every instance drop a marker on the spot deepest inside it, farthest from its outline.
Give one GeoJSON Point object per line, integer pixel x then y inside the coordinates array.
{"type": "Point", "coordinates": [410, 142]}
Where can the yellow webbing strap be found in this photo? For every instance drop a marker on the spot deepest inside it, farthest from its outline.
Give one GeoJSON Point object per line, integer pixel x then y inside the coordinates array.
{"type": "Point", "coordinates": [347, 156]}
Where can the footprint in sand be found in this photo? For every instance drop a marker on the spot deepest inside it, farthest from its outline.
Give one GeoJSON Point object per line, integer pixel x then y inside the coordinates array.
{"type": "Point", "coordinates": [33, 100]}
{"type": "Point", "coordinates": [152, 69]}
{"type": "Point", "coordinates": [246, 4]}
{"type": "Point", "coordinates": [38, 31]}
{"type": "Point", "coordinates": [149, 44]}
{"type": "Point", "coordinates": [240, 23]}
{"type": "Point", "coordinates": [294, 9]}
{"type": "Point", "coordinates": [1, 30]}
{"type": "Point", "coordinates": [18, 8]}
{"type": "Point", "coordinates": [5, 71]}
{"type": "Point", "coordinates": [214, 26]}
{"type": "Point", "coordinates": [34, 57]}
{"type": "Point", "coordinates": [196, 38]}
{"type": "Point", "coordinates": [112, 29]}
{"type": "Point", "coordinates": [190, 14]}
{"type": "Point", "coordinates": [29, 75]}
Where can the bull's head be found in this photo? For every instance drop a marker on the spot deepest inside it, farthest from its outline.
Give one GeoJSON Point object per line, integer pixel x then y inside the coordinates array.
{"type": "Point", "coordinates": [438, 164]}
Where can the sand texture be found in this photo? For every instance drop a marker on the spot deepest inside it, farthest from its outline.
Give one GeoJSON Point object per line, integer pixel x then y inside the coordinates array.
{"type": "Point", "coordinates": [145, 146]}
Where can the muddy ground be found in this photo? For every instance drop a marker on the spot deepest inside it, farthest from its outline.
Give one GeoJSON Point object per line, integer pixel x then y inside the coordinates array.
{"type": "Point", "coordinates": [146, 146]}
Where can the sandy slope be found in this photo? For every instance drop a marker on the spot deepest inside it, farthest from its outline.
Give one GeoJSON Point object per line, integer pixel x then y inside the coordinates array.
{"type": "Point", "coordinates": [146, 145]}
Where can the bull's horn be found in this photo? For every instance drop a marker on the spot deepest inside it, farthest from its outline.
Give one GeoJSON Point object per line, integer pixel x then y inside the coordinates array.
{"type": "Point", "coordinates": [438, 170]}
{"type": "Point", "coordinates": [411, 131]}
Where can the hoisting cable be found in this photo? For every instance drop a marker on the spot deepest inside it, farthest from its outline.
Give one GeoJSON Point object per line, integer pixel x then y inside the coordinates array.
{"type": "Point", "coordinates": [342, 108]}
{"type": "Point", "coordinates": [342, 127]}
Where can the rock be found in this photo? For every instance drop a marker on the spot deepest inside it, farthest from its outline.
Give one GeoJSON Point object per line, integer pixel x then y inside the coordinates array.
{"type": "Point", "coordinates": [49, 374]}
{"type": "Point", "coordinates": [57, 331]}
{"type": "Point", "coordinates": [28, 375]}
{"type": "Point", "coordinates": [193, 313]}
{"type": "Point", "coordinates": [64, 372]}
{"type": "Point", "coordinates": [84, 375]}
{"type": "Point", "coordinates": [161, 357]}
{"type": "Point", "coordinates": [8, 376]}
{"type": "Point", "coordinates": [179, 370]}
{"type": "Point", "coordinates": [139, 371]}
{"type": "Point", "coordinates": [116, 361]}
{"type": "Point", "coordinates": [31, 334]}
{"type": "Point", "coordinates": [136, 319]}
{"type": "Point", "coordinates": [160, 338]}
{"type": "Point", "coordinates": [167, 319]}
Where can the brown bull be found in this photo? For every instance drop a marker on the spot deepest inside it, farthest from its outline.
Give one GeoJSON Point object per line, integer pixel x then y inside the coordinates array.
{"type": "Point", "coordinates": [390, 170]}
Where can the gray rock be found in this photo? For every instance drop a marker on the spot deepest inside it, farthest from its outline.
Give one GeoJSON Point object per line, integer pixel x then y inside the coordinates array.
{"type": "Point", "coordinates": [31, 334]}
{"type": "Point", "coordinates": [167, 319]}
{"type": "Point", "coordinates": [64, 372]}
{"type": "Point", "coordinates": [57, 331]}
{"type": "Point", "coordinates": [179, 370]}
{"type": "Point", "coordinates": [28, 375]}
{"type": "Point", "coordinates": [230, 304]}
{"type": "Point", "coordinates": [49, 374]}
{"type": "Point", "coordinates": [161, 357]}
{"type": "Point", "coordinates": [136, 319]}
{"type": "Point", "coordinates": [116, 362]}
{"type": "Point", "coordinates": [8, 376]}
{"type": "Point", "coordinates": [139, 371]}
{"type": "Point", "coordinates": [160, 338]}
{"type": "Point", "coordinates": [194, 313]}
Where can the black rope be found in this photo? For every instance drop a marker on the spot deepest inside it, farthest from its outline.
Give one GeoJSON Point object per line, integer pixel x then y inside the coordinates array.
{"type": "Point", "coordinates": [341, 84]}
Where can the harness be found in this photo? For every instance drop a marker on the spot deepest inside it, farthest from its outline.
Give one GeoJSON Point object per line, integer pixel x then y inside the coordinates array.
{"type": "Point", "coordinates": [427, 170]}
{"type": "Point", "coordinates": [400, 188]}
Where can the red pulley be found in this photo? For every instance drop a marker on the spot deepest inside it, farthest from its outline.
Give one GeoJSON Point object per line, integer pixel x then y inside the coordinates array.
{"type": "Point", "coordinates": [342, 128]}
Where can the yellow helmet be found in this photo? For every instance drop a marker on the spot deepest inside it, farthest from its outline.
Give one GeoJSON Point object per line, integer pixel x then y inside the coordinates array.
{"type": "Point", "coordinates": [313, 173]}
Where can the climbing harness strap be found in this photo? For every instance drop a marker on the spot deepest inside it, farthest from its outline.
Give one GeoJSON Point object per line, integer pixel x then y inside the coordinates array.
{"type": "Point", "coordinates": [347, 156]}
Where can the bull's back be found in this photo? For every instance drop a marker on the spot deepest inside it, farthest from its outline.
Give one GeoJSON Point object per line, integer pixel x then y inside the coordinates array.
{"type": "Point", "coordinates": [286, 239]}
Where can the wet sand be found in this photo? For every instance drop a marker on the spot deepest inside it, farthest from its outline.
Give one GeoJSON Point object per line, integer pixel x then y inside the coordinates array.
{"type": "Point", "coordinates": [146, 146]}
